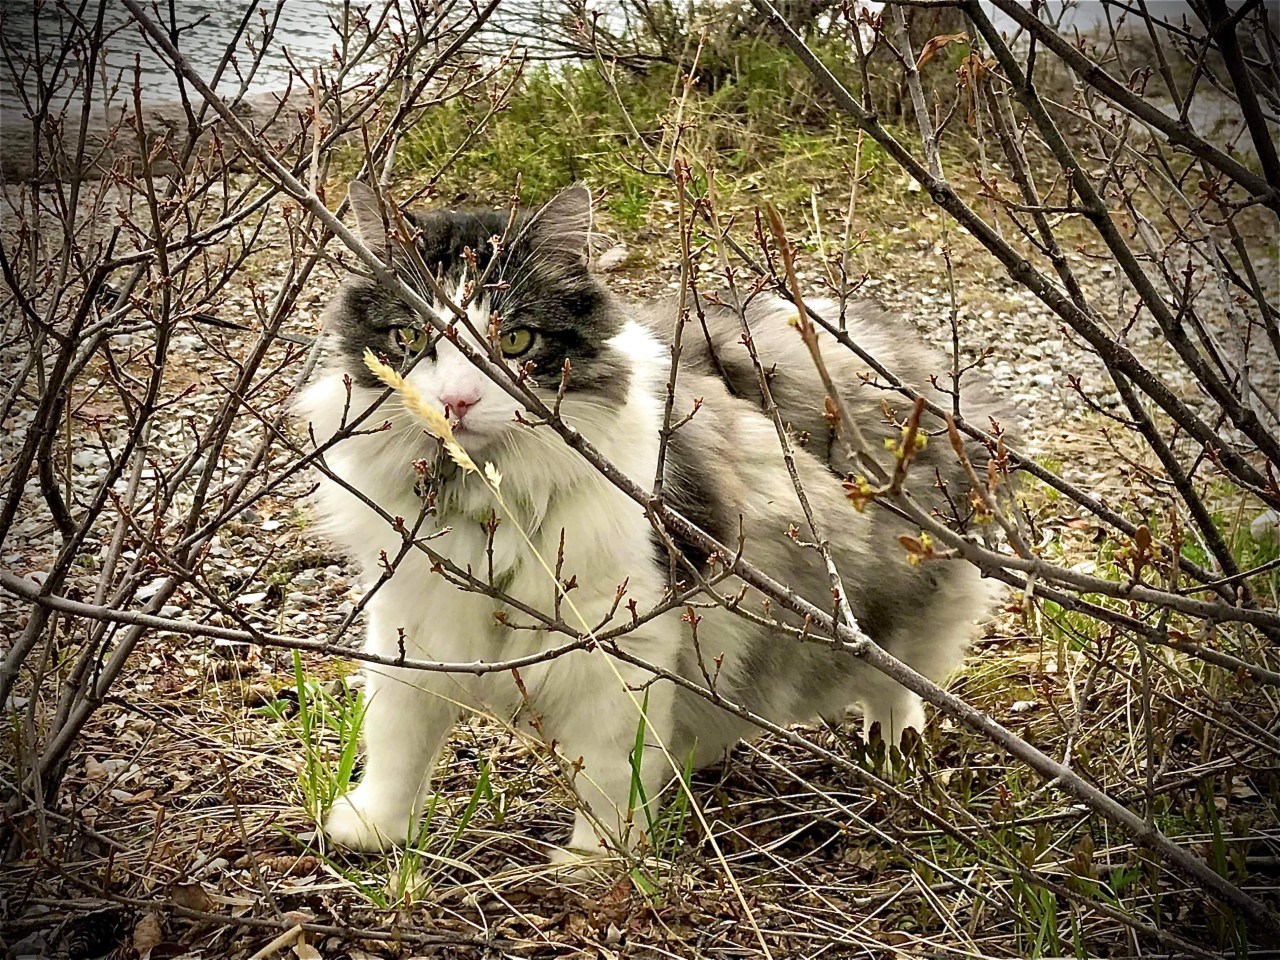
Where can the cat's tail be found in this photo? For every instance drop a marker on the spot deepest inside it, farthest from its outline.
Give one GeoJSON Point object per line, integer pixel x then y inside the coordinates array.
{"type": "Point", "coordinates": [712, 344]}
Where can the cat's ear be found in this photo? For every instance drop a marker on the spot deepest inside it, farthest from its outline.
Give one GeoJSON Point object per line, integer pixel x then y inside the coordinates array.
{"type": "Point", "coordinates": [371, 225]}
{"type": "Point", "coordinates": [561, 230]}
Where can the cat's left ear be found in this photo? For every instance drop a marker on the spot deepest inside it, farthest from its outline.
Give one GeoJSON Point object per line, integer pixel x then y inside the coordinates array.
{"type": "Point", "coordinates": [371, 224]}
{"type": "Point", "coordinates": [561, 230]}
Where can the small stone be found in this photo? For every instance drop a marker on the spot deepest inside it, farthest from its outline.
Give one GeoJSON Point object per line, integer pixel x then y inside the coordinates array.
{"type": "Point", "coordinates": [149, 590]}
{"type": "Point", "coordinates": [33, 946]}
{"type": "Point", "coordinates": [113, 766]}
{"type": "Point", "coordinates": [612, 259]}
{"type": "Point", "coordinates": [1265, 527]}
{"type": "Point", "coordinates": [215, 865]}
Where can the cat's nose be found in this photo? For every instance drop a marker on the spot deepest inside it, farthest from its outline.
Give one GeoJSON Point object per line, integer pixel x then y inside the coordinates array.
{"type": "Point", "coordinates": [456, 405]}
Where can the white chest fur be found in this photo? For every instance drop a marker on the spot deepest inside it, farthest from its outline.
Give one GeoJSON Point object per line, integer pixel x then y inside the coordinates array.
{"type": "Point", "coordinates": [556, 511]}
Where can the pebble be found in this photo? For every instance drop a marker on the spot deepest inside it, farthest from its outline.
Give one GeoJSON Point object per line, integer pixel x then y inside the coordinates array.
{"type": "Point", "coordinates": [113, 766]}
{"type": "Point", "coordinates": [149, 590]}
{"type": "Point", "coordinates": [1265, 528]}
{"type": "Point", "coordinates": [213, 867]}
{"type": "Point", "coordinates": [31, 947]}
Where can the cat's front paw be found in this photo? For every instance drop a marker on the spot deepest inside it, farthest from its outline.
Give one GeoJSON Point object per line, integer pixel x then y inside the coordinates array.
{"type": "Point", "coordinates": [356, 821]}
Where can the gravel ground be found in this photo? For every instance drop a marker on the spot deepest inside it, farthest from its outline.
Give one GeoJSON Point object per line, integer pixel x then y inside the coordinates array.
{"type": "Point", "coordinates": [191, 775]}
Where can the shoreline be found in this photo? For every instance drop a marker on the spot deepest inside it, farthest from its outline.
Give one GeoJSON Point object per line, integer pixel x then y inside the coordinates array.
{"type": "Point", "coordinates": [110, 139]}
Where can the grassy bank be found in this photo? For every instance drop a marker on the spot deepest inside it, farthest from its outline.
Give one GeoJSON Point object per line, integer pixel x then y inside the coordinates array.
{"type": "Point", "coordinates": [765, 128]}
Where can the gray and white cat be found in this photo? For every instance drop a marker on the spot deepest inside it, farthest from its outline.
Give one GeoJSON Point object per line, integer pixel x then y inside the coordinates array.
{"type": "Point", "coordinates": [723, 470]}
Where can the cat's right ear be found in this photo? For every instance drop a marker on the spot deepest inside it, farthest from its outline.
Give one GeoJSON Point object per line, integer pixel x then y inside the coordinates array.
{"type": "Point", "coordinates": [371, 224]}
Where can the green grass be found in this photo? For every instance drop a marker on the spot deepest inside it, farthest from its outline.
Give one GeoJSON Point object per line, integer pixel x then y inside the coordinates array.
{"type": "Point", "coordinates": [404, 877]}
{"type": "Point", "coordinates": [312, 711]}
{"type": "Point", "coordinates": [1231, 514]}
{"type": "Point", "coordinates": [759, 120]}
{"type": "Point", "coordinates": [326, 773]}
{"type": "Point", "coordinates": [665, 817]}
{"type": "Point", "coordinates": [329, 725]}
{"type": "Point", "coordinates": [559, 126]}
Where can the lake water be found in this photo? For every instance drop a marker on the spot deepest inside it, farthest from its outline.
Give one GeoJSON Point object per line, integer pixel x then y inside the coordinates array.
{"type": "Point", "coordinates": [303, 29]}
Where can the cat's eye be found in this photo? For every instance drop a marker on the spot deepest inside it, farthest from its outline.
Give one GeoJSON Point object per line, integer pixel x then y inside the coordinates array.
{"type": "Point", "coordinates": [413, 339]}
{"type": "Point", "coordinates": [516, 341]}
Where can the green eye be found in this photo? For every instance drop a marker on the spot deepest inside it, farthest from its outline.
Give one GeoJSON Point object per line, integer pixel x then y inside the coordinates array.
{"type": "Point", "coordinates": [413, 339]}
{"type": "Point", "coordinates": [516, 341]}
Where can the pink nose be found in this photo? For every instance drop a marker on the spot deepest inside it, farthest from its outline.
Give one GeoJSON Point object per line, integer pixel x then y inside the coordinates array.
{"type": "Point", "coordinates": [457, 405]}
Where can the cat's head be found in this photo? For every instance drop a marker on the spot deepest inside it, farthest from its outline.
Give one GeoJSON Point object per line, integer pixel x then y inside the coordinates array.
{"type": "Point", "coordinates": [538, 292]}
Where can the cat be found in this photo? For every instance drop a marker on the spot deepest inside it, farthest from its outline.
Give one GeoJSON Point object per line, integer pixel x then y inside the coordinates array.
{"type": "Point", "coordinates": [723, 470]}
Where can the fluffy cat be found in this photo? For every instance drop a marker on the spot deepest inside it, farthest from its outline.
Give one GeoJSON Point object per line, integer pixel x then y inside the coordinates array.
{"type": "Point", "coordinates": [723, 470]}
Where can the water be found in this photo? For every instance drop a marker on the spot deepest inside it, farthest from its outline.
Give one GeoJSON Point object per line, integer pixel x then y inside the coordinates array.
{"type": "Point", "coordinates": [303, 31]}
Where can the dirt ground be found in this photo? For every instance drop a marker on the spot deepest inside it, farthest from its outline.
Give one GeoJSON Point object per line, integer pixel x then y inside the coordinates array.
{"type": "Point", "coordinates": [182, 829]}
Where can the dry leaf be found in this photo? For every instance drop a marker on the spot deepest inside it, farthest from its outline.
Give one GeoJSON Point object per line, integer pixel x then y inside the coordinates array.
{"type": "Point", "coordinates": [147, 935]}
{"type": "Point", "coordinates": [304, 951]}
{"type": "Point", "coordinates": [290, 865]}
{"type": "Point", "coordinates": [191, 895]}
{"type": "Point", "coordinates": [932, 47]}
